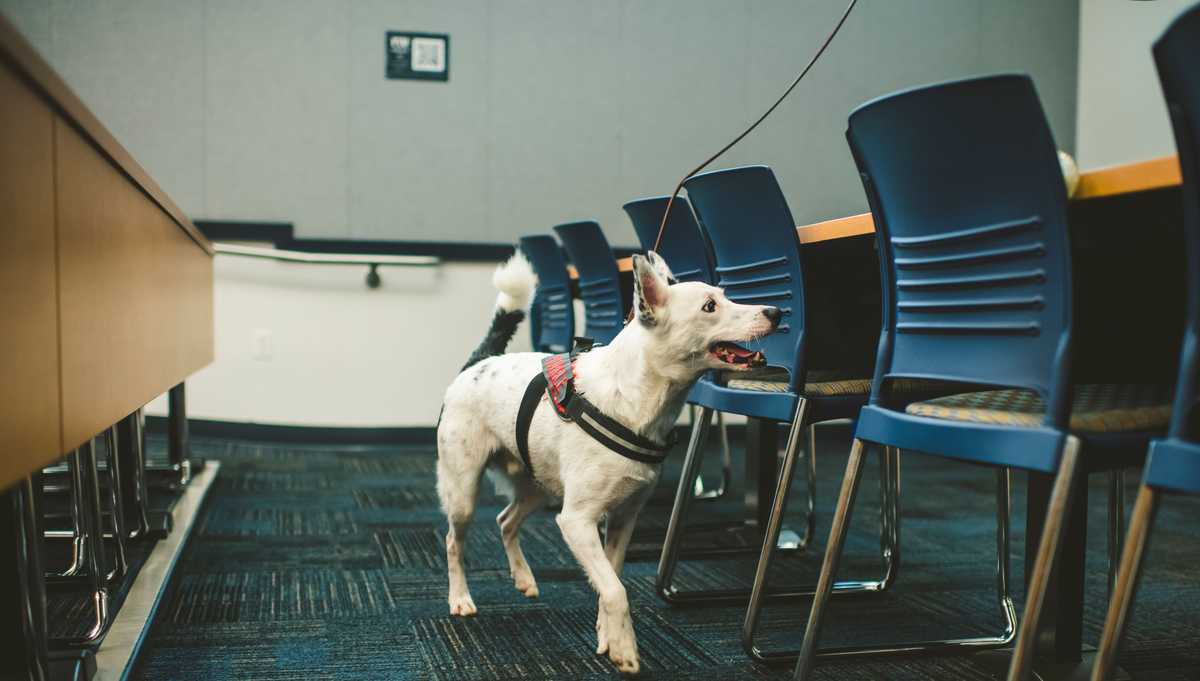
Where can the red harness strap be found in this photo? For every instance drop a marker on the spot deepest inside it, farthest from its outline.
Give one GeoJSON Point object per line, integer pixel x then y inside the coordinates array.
{"type": "Point", "coordinates": [559, 371]}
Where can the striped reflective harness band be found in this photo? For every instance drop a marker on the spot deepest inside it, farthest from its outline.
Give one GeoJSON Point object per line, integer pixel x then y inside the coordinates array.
{"type": "Point", "coordinates": [557, 380]}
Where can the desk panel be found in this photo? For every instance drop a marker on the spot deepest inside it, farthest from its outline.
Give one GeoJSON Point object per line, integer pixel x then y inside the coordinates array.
{"type": "Point", "coordinates": [29, 408]}
{"type": "Point", "coordinates": [135, 293]}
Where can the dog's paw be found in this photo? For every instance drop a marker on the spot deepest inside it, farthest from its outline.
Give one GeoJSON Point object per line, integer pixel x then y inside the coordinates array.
{"type": "Point", "coordinates": [525, 583]}
{"type": "Point", "coordinates": [462, 605]}
{"type": "Point", "coordinates": [529, 589]}
{"type": "Point", "coordinates": [622, 645]}
{"type": "Point", "coordinates": [625, 664]}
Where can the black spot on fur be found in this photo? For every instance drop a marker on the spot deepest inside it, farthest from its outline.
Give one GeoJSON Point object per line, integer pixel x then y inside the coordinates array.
{"type": "Point", "coordinates": [504, 325]}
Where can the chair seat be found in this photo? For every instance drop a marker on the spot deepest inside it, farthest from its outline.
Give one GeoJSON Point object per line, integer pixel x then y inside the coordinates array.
{"type": "Point", "coordinates": [1104, 408]}
{"type": "Point", "coordinates": [820, 383]}
{"type": "Point", "coordinates": [825, 383]}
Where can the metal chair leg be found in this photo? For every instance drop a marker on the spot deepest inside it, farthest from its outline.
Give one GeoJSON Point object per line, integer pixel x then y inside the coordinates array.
{"type": "Point", "coordinates": [1047, 556]}
{"type": "Point", "coordinates": [86, 500]}
{"type": "Point", "coordinates": [78, 532]}
{"type": "Point", "coordinates": [1003, 555]}
{"type": "Point", "coordinates": [683, 499]}
{"type": "Point", "coordinates": [670, 555]}
{"type": "Point", "coordinates": [135, 491]}
{"type": "Point", "coordinates": [833, 554]}
{"type": "Point", "coordinates": [889, 553]}
{"type": "Point", "coordinates": [726, 462]}
{"type": "Point", "coordinates": [1128, 577]}
{"type": "Point", "coordinates": [178, 471]}
{"type": "Point", "coordinates": [809, 652]}
{"type": "Point", "coordinates": [1116, 524]}
{"type": "Point", "coordinates": [22, 586]}
{"type": "Point", "coordinates": [810, 469]}
{"type": "Point", "coordinates": [78, 535]}
{"type": "Point", "coordinates": [116, 498]}
{"type": "Point", "coordinates": [889, 515]}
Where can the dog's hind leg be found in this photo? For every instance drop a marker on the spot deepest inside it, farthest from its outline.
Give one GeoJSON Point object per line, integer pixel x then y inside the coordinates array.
{"type": "Point", "coordinates": [461, 462]}
{"type": "Point", "coordinates": [528, 497]}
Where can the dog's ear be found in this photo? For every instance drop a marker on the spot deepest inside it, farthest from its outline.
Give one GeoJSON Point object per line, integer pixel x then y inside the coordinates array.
{"type": "Point", "coordinates": [660, 266]}
{"type": "Point", "coordinates": [649, 289]}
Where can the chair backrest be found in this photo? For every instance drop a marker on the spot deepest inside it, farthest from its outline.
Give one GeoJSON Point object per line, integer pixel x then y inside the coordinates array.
{"type": "Point", "coordinates": [552, 315]}
{"type": "Point", "coordinates": [684, 245]}
{"type": "Point", "coordinates": [757, 253]}
{"type": "Point", "coordinates": [1177, 55]}
{"type": "Point", "coordinates": [970, 211]}
{"type": "Point", "coordinates": [599, 280]}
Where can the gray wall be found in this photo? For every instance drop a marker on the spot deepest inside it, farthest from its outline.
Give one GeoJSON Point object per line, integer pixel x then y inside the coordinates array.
{"type": "Point", "coordinates": [1122, 116]}
{"type": "Point", "coordinates": [555, 109]}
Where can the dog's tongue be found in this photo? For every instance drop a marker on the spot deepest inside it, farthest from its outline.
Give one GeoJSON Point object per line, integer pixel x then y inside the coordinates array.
{"type": "Point", "coordinates": [736, 354]}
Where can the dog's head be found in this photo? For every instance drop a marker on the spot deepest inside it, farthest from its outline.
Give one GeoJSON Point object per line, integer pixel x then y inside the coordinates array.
{"type": "Point", "coordinates": [695, 321]}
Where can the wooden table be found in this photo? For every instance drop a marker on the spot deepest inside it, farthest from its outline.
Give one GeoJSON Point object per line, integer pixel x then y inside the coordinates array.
{"type": "Point", "coordinates": [1127, 178]}
{"type": "Point", "coordinates": [106, 292]}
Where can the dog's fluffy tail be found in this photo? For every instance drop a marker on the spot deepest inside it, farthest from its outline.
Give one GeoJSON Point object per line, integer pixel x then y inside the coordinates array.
{"type": "Point", "coordinates": [515, 282]}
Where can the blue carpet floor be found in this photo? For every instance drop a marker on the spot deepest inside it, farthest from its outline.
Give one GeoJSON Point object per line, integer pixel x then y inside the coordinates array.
{"type": "Point", "coordinates": [327, 562]}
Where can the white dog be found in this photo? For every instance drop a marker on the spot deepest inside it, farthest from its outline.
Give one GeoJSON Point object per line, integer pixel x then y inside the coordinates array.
{"type": "Point", "coordinates": [640, 380]}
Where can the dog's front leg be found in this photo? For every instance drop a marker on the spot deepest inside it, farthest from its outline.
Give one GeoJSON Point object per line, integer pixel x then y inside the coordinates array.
{"type": "Point", "coordinates": [618, 531]}
{"type": "Point", "coordinates": [579, 530]}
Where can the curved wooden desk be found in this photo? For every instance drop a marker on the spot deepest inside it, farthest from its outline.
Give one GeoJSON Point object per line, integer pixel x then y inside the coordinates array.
{"type": "Point", "coordinates": [105, 285]}
{"type": "Point", "coordinates": [1126, 178]}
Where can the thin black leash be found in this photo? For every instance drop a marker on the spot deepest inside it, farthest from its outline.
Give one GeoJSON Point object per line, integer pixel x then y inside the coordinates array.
{"type": "Point", "coordinates": [667, 213]}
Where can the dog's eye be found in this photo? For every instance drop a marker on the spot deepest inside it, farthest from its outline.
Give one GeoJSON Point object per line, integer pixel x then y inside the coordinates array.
{"type": "Point", "coordinates": [710, 305]}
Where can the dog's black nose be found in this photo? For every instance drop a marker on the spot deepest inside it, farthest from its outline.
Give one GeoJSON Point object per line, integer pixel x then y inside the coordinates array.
{"type": "Point", "coordinates": [774, 314]}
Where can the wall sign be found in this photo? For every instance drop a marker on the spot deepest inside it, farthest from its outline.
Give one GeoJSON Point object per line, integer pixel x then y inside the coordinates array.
{"type": "Point", "coordinates": [418, 56]}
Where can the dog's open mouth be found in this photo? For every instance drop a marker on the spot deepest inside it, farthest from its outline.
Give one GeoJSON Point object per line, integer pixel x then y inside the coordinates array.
{"type": "Point", "coordinates": [732, 353]}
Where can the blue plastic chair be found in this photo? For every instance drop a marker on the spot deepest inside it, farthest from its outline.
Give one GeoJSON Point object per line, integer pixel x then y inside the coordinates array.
{"type": "Point", "coordinates": [971, 218]}
{"type": "Point", "coordinates": [684, 245]}
{"type": "Point", "coordinates": [599, 280]}
{"type": "Point", "coordinates": [758, 262]}
{"type": "Point", "coordinates": [1174, 463]}
{"type": "Point", "coordinates": [552, 315]}
{"type": "Point", "coordinates": [686, 251]}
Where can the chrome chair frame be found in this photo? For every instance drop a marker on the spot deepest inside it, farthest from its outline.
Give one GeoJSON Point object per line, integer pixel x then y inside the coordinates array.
{"type": "Point", "coordinates": [1125, 584]}
{"type": "Point", "coordinates": [699, 490]}
{"type": "Point", "coordinates": [675, 527]}
{"type": "Point", "coordinates": [889, 547]}
{"type": "Point", "coordinates": [1024, 634]}
{"type": "Point", "coordinates": [79, 507]}
{"type": "Point", "coordinates": [24, 564]}
{"type": "Point", "coordinates": [90, 561]}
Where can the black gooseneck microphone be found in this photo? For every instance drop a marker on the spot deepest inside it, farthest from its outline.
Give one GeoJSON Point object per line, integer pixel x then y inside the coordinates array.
{"type": "Point", "coordinates": [667, 213]}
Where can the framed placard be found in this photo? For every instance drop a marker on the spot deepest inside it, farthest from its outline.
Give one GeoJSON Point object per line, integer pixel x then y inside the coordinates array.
{"type": "Point", "coordinates": [417, 56]}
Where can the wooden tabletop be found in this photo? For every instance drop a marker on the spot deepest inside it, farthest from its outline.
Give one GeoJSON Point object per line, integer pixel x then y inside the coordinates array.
{"type": "Point", "coordinates": [1125, 178]}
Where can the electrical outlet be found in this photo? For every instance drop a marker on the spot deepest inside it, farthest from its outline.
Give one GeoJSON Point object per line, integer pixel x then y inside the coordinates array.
{"type": "Point", "coordinates": [262, 348]}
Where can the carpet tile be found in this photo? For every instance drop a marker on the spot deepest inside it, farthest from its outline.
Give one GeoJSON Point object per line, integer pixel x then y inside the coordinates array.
{"type": "Point", "coordinates": [327, 562]}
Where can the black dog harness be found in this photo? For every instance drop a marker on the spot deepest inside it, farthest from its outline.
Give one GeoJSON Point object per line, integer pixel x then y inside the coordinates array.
{"type": "Point", "coordinates": [557, 379]}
